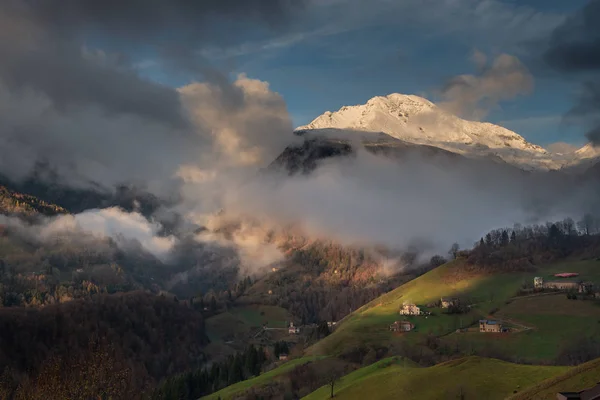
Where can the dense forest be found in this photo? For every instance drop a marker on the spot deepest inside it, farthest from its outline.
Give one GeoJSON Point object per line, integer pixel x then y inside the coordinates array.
{"type": "Point", "coordinates": [155, 336]}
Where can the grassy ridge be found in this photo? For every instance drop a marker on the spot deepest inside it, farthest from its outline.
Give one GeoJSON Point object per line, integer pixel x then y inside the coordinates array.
{"type": "Point", "coordinates": [578, 378]}
{"type": "Point", "coordinates": [355, 378]}
{"type": "Point", "coordinates": [473, 377]}
{"type": "Point", "coordinates": [240, 387]}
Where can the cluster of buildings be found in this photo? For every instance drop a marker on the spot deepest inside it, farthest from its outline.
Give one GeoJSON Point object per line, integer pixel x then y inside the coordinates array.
{"type": "Point", "coordinates": [579, 286]}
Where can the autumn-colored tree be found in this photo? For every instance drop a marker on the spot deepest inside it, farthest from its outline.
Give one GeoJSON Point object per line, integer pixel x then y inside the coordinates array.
{"type": "Point", "coordinates": [99, 374]}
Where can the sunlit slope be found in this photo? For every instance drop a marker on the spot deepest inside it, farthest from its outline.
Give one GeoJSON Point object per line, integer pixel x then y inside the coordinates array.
{"type": "Point", "coordinates": [488, 292]}
{"type": "Point", "coordinates": [576, 379]}
{"type": "Point", "coordinates": [369, 324]}
{"type": "Point", "coordinates": [472, 377]}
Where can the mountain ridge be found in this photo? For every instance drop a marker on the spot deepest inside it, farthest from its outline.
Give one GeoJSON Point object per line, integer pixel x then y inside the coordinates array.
{"type": "Point", "coordinates": [416, 120]}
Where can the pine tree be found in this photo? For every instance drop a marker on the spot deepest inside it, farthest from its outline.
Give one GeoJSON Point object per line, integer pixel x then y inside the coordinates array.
{"type": "Point", "coordinates": [251, 360]}
{"type": "Point", "coordinates": [504, 239]}
{"type": "Point", "coordinates": [213, 304]}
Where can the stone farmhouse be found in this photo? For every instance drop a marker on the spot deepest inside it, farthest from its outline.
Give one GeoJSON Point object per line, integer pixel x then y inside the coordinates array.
{"type": "Point", "coordinates": [487, 325]}
{"type": "Point", "coordinates": [581, 287]}
{"type": "Point", "coordinates": [402, 326]}
{"type": "Point", "coordinates": [293, 330]}
{"type": "Point", "coordinates": [410, 309]}
{"type": "Point", "coordinates": [447, 302]}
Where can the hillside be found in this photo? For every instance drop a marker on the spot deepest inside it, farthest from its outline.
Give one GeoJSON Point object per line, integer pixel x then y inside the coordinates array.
{"type": "Point", "coordinates": [434, 337]}
{"type": "Point", "coordinates": [579, 378]}
{"type": "Point", "coordinates": [14, 203]}
{"type": "Point", "coordinates": [416, 120]}
{"type": "Point", "coordinates": [468, 378]}
{"type": "Point", "coordinates": [237, 390]}
{"type": "Point", "coordinates": [153, 335]}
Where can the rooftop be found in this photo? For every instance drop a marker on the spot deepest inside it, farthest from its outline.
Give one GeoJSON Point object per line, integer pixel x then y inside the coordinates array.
{"type": "Point", "coordinates": [488, 321]}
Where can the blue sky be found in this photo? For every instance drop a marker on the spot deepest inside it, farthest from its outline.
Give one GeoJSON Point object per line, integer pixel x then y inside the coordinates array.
{"type": "Point", "coordinates": [343, 52]}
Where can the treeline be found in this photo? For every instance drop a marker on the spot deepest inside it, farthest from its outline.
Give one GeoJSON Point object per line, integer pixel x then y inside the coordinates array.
{"type": "Point", "coordinates": [522, 247]}
{"type": "Point", "coordinates": [204, 381]}
{"type": "Point", "coordinates": [155, 336]}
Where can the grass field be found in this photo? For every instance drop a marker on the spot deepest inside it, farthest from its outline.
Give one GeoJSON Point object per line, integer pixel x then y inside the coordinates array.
{"type": "Point", "coordinates": [244, 319]}
{"type": "Point", "coordinates": [474, 377]}
{"type": "Point", "coordinates": [579, 378]}
{"type": "Point", "coordinates": [369, 324]}
{"type": "Point", "coordinates": [554, 320]}
{"type": "Point", "coordinates": [355, 378]}
{"type": "Point", "coordinates": [240, 387]}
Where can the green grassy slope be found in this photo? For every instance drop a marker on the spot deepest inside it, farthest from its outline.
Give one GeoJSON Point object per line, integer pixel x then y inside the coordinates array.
{"type": "Point", "coordinates": [245, 320]}
{"type": "Point", "coordinates": [240, 387]}
{"type": "Point", "coordinates": [579, 378]}
{"type": "Point", "coordinates": [369, 324]}
{"type": "Point", "coordinates": [356, 377]}
{"type": "Point", "coordinates": [554, 320]}
{"type": "Point", "coordinates": [474, 377]}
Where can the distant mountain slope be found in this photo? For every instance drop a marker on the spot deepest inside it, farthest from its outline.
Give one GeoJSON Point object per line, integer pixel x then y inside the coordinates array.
{"type": "Point", "coordinates": [416, 120]}
{"type": "Point", "coordinates": [322, 144]}
{"type": "Point", "coordinates": [12, 202]}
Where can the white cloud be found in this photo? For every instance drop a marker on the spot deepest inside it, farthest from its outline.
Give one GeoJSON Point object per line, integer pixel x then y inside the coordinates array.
{"type": "Point", "coordinates": [114, 223]}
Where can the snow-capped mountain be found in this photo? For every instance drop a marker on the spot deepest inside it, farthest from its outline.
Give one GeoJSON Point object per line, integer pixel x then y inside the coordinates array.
{"type": "Point", "coordinates": [587, 152]}
{"type": "Point", "coordinates": [416, 120]}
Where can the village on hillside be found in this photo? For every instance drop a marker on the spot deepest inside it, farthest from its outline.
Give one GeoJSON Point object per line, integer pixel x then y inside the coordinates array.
{"type": "Point", "coordinates": [566, 282]}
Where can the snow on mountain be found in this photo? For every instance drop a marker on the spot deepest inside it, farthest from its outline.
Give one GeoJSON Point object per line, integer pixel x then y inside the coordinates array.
{"type": "Point", "coordinates": [416, 120]}
{"type": "Point", "coordinates": [588, 151]}
{"type": "Point", "coordinates": [582, 159]}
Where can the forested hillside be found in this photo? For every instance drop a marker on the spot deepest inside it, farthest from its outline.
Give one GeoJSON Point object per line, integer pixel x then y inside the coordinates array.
{"type": "Point", "coordinates": [151, 336]}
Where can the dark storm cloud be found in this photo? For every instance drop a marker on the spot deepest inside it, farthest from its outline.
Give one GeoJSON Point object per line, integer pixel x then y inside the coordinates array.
{"type": "Point", "coordinates": [575, 50]}
{"type": "Point", "coordinates": [41, 46]}
{"type": "Point", "coordinates": [144, 19]}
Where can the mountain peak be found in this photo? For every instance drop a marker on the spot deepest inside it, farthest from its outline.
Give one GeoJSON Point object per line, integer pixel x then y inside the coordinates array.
{"type": "Point", "coordinates": [417, 120]}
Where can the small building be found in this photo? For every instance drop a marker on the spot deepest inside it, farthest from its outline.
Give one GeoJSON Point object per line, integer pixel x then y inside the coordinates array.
{"type": "Point", "coordinates": [402, 326]}
{"type": "Point", "coordinates": [410, 309]}
{"type": "Point", "coordinates": [538, 282]}
{"type": "Point", "coordinates": [447, 302]}
{"type": "Point", "coordinates": [283, 357]}
{"type": "Point", "coordinates": [586, 287]}
{"type": "Point", "coordinates": [588, 394]}
{"type": "Point", "coordinates": [331, 324]}
{"type": "Point", "coordinates": [559, 285]}
{"type": "Point", "coordinates": [293, 330]}
{"type": "Point", "coordinates": [488, 325]}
